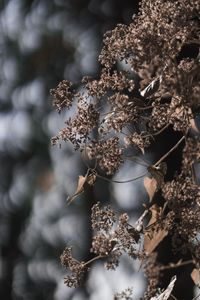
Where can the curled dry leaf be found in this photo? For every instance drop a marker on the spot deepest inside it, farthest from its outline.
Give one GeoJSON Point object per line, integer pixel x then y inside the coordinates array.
{"type": "Point", "coordinates": [154, 235]}
{"type": "Point", "coordinates": [82, 182]}
{"type": "Point", "coordinates": [151, 186]}
{"type": "Point", "coordinates": [196, 277]}
{"type": "Point", "coordinates": [166, 294]}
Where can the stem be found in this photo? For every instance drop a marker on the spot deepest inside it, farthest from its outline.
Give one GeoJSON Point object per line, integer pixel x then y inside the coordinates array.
{"type": "Point", "coordinates": [158, 132]}
{"type": "Point", "coordinates": [169, 152]}
{"type": "Point", "coordinates": [118, 181]}
{"type": "Point", "coordinates": [145, 107]}
{"type": "Point", "coordinates": [93, 259]}
{"type": "Point", "coordinates": [173, 297]}
{"type": "Point", "coordinates": [177, 265]}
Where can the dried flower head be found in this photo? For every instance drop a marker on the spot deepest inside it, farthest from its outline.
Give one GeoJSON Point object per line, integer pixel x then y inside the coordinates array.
{"type": "Point", "coordinates": [63, 96]}
{"type": "Point", "coordinates": [77, 269]}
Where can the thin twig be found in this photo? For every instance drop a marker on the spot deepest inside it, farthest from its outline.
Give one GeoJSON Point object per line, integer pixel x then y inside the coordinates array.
{"type": "Point", "coordinates": [158, 132]}
{"type": "Point", "coordinates": [94, 259]}
{"type": "Point", "coordinates": [144, 107]}
{"type": "Point", "coordinates": [123, 181]}
{"type": "Point", "coordinates": [173, 297]}
{"type": "Point", "coordinates": [169, 152]}
{"type": "Point", "coordinates": [177, 265]}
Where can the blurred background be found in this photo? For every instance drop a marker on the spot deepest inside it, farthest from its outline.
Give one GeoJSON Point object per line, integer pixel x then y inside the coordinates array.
{"type": "Point", "coordinates": [41, 43]}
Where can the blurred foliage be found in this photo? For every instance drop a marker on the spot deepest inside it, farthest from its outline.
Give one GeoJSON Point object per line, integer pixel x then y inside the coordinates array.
{"type": "Point", "coordinates": [42, 42]}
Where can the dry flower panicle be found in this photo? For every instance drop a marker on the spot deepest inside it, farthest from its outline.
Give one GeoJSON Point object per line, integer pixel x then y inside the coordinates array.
{"type": "Point", "coordinates": [127, 110]}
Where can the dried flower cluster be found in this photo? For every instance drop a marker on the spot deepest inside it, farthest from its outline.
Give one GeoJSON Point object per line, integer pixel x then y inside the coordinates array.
{"type": "Point", "coordinates": [152, 272]}
{"type": "Point", "coordinates": [110, 239]}
{"type": "Point", "coordinates": [126, 109]}
{"type": "Point", "coordinates": [77, 268]}
{"type": "Point", "coordinates": [63, 97]}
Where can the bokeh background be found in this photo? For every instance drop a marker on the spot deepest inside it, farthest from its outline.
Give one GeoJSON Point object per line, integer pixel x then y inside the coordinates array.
{"type": "Point", "coordinates": [41, 43]}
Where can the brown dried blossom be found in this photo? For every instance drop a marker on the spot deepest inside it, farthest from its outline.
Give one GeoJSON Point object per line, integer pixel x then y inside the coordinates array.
{"type": "Point", "coordinates": [141, 141]}
{"type": "Point", "coordinates": [183, 197]}
{"type": "Point", "coordinates": [152, 273]}
{"type": "Point", "coordinates": [77, 268]}
{"type": "Point", "coordinates": [115, 81]}
{"type": "Point", "coordinates": [180, 115]}
{"type": "Point", "coordinates": [102, 219]}
{"type": "Point", "coordinates": [191, 156]}
{"type": "Point", "coordinates": [119, 118]}
{"type": "Point", "coordinates": [79, 128]}
{"type": "Point", "coordinates": [181, 191]}
{"type": "Point", "coordinates": [63, 96]}
{"type": "Point", "coordinates": [103, 244]}
{"type": "Point", "coordinates": [112, 239]}
{"type": "Point", "coordinates": [158, 117]}
{"type": "Point", "coordinates": [108, 154]}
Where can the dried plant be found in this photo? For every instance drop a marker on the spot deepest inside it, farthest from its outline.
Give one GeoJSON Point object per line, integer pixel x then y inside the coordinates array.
{"type": "Point", "coordinates": [125, 110]}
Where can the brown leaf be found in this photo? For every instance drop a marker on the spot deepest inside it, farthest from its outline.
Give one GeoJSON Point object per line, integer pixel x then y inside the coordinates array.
{"type": "Point", "coordinates": [82, 181]}
{"type": "Point", "coordinates": [155, 214]}
{"type": "Point", "coordinates": [154, 236]}
{"type": "Point", "coordinates": [196, 277]}
{"type": "Point", "coordinates": [151, 243]}
{"type": "Point", "coordinates": [79, 189]}
{"type": "Point", "coordinates": [151, 186]}
{"type": "Point", "coordinates": [158, 172]}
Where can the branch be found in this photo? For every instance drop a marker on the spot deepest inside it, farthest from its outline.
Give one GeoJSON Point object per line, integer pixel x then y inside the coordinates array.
{"type": "Point", "coordinates": [123, 181]}
{"type": "Point", "coordinates": [169, 152]}
{"type": "Point", "coordinates": [177, 265]}
{"type": "Point", "coordinates": [94, 259]}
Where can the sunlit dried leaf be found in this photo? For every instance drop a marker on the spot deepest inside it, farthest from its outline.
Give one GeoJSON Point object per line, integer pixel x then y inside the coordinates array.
{"type": "Point", "coordinates": [150, 185]}
{"type": "Point", "coordinates": [91, 179]}
{"type": "Point", "coordinates": [79, 189]}
{"type": "Point", "coordinates": [165, 295]}
{"type": "Point", "coordinates": [82, 181]}
{"type": "Point", "coordinates": [151, 88]}
{"type": "Point", "coordinates": [152, 238]}
{"type": "Point", "coordinates": [196, 277]}
{"type": "Point", "coordinates": [142, 150]}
